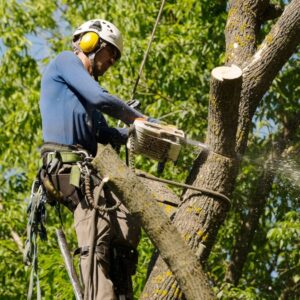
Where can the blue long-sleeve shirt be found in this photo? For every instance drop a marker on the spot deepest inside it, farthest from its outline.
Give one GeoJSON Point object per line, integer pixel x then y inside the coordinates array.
{"type": "Point", "coordinates": [71, 104]}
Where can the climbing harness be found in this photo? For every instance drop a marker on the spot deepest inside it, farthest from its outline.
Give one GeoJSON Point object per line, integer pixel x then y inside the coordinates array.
{"type": "Point", "coordinates": [81, 174]}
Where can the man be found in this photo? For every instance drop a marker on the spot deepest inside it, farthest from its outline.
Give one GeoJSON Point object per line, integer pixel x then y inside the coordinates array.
{"type": "Point", "coordinates": [72, 103]}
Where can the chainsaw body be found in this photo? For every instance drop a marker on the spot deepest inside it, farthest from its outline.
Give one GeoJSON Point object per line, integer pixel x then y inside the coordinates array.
{"type": "Point", "coordinates": [157, 141]}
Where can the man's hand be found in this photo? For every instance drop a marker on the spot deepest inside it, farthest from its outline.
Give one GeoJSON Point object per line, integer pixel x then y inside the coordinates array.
{"type": "Point", "coordinates": [152, 120]}
{"type": "Point", "coordinates": [148, 119]}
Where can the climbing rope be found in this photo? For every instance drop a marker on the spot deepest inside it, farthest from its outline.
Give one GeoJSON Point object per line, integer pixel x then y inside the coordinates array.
{"type": "Point", "coordinates": [35, 227]}
{"type": "Point", "coordinates": [131, 148]}
{"type": "Point", "coordinates": [89, 194]}
{"type": "Point", "coordinates": [148, 49]}
{"type": "Point", "coordinates": [187, 186]}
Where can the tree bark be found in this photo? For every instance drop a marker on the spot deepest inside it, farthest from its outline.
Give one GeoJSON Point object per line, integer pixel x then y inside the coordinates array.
{"type": "Point", "coordinates": [141, 203]}
{"type": "Point", "coordinates": [242, 27]}
{"type": "Point", "coordinates": [199, 216]}
{"type": "Point", "coordinates": [265, 64]}
{"type": "Point", "coordinates": [165, 197]}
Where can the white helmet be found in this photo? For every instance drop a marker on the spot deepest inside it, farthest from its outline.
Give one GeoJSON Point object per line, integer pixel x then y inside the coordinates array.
{"type": "Point", "coordinates": [105, 30]}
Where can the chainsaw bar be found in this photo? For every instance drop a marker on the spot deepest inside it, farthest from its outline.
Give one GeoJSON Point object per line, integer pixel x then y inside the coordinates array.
{"type": "Point", "coordinates": [195, 143]}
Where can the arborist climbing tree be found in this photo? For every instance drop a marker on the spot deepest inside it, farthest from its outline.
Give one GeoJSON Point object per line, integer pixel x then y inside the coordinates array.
{"type": "Point", "coordinates": [72, 105]}
{"type": "Point", "coordinates": [188, 45]}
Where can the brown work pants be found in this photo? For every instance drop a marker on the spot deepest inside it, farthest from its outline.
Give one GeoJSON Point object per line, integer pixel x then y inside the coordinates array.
{"type": "Point", "coordinates": [116, 227]}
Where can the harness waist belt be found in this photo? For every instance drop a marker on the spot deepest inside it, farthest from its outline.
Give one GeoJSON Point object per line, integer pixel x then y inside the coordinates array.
{"type": "Point", "coordinates": [66, 157]}
{"type": "Point", "coordinates": [64, 153]}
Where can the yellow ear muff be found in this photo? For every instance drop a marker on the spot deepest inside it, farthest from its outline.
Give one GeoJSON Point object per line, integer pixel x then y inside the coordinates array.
{"type": "Point", "coordinates": [89, 41]}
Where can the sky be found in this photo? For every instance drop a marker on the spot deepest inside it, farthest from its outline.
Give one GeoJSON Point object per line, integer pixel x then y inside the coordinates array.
{"type": "Point", "coordinates": [39, 47]}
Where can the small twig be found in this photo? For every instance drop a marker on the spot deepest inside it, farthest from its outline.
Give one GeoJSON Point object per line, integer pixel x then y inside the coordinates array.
{"type": "Point", "coordinates": [171, 113]}
{"type": "Point", "coordinates": [150, 91]}
{"type": "Point", "coordinates": [11, 250]}
{"type": "Point", "coordinates": [17, 240]}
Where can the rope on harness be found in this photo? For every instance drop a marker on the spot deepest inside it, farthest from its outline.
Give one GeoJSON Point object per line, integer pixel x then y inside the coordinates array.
{"type": "Point", "coordinates": [35, 227]}
{"type": "Point", "coordinates": [187, 186]}
{"type": "Point", "coordinates": [89, 194]}
{"type": "Point", "coordinates": [131, 148]}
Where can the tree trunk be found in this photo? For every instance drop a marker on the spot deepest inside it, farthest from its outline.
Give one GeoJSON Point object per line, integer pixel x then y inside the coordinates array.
{"type": "Point", "coordinates": [200, 216]}
{"type": "Point", "coordinates": [141, 203]}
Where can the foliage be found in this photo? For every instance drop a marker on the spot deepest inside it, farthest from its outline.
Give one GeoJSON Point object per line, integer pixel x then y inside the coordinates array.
{"type": "Point", "coordinates": [174, 86]}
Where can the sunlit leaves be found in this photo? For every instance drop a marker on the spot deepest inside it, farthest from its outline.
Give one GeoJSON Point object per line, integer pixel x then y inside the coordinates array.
{"type": "Point", "coordinates": [174, 86]}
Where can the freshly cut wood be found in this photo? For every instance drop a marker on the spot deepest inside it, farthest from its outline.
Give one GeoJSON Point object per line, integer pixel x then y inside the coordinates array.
{"type": "Point", "coordinates": [227, 73]}
{"type": "Point", "coordinates": [225, 90]}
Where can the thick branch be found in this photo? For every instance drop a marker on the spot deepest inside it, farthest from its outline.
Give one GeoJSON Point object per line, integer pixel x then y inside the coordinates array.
{"type": "Point", "coordinates": [140, 202]}
{"type": "Point", "coordinates": [242, 28]}
{"type": "Point", "coordinates": [276, 49]}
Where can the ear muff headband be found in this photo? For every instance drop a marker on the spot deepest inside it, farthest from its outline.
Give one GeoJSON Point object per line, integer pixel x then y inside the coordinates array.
{"type": "Point", "coordinates": [89, 42]}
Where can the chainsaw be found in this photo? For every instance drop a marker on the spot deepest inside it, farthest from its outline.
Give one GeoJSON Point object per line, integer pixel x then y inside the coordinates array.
{"type": "Point", "coordinates": [160, 142]}
{"type": "Point", "coordinates": [163, 142]}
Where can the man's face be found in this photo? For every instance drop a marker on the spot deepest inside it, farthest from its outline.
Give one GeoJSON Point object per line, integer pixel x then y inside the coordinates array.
{"type": "Point", "coordinates": [105, 58]}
